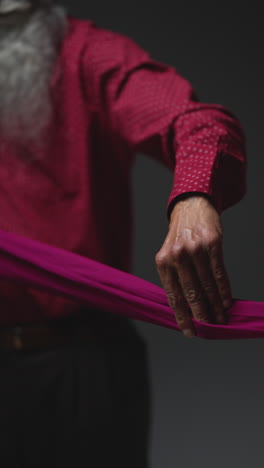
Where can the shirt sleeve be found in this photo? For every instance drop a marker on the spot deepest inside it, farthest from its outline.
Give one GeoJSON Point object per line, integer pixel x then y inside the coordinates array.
{"type": "Point", "coordinates": [155, 111]}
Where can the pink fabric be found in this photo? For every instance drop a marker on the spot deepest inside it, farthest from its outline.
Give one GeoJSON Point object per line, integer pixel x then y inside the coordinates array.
{"type": "Point", "coordinates": [89, 282]}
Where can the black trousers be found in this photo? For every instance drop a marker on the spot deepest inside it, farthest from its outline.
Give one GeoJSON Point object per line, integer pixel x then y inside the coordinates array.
{"type": "Point", "coordinates": [77, 405]}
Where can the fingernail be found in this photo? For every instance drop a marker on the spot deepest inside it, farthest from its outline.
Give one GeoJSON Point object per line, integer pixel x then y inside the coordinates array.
{"type": "Point", "coordinates": [188, 333]}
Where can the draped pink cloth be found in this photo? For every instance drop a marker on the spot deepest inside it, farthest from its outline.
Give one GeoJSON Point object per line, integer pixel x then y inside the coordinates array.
{"type": "Point", "coordinates": [58, 271]}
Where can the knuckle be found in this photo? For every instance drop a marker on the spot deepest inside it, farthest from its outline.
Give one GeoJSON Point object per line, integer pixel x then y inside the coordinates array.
{"type": "Point", "coordinates": [214, 235]}
{"type": "Point", "coordinates": [214, 241]}
{"type": "Point", "coordinates": [179, 252]}
{"type": "Point", "coordinates": [160, 259]}
{"type": "Point", "coordinates": [195, 249]}
{"type": "Point", "coordinates": [212, 244]}
{"type": "Point", "coordinates": [209, 287]}
{"type": "Point", "coordinates": [192, 295]}
{"type": "Point", "coordinates": [175, 300]}
{"type": "Point", "coordinates": [220, 274]}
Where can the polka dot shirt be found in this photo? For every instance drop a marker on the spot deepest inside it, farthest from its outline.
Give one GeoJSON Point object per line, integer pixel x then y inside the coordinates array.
{"type": "Point", "coordinates": [154, 110]}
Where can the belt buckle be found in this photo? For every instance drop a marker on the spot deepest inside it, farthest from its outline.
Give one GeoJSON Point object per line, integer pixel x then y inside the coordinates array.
{"type": "Point", "coordinates": [16, 338]}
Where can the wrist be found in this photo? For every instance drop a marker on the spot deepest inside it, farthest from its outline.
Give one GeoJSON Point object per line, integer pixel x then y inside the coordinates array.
{"type": "Point", "coordinates": [186, 196]}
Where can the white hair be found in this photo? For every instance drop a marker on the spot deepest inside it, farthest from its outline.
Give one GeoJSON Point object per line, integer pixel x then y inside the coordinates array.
{"type": "Point", "coordinates": [28, 52]}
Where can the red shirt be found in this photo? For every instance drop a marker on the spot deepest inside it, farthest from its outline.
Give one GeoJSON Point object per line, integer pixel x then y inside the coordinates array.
{"type": "Point", "coordinates": [112, 101]}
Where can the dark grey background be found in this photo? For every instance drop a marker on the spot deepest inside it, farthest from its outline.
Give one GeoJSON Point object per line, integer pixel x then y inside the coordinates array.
{"type": "Point", "coordinates": [208, 396]}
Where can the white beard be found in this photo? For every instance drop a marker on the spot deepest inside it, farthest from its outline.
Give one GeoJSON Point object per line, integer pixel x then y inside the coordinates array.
{"type": "Point", "coordinates": [28, 51]}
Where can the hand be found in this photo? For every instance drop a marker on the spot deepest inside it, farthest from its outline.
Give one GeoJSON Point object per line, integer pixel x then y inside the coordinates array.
{"type": "Point", "coordinates": [191, 266]}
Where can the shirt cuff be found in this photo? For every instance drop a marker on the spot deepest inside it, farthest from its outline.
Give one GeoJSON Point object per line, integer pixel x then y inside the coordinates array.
{"type": "Point", "coordinates": [194, 175]}
{"type": "Point", "coordinates": [184, 196]}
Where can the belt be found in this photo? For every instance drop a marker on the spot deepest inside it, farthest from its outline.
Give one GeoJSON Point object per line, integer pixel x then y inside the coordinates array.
{"type": "Point", "coordinates": [52, 333]}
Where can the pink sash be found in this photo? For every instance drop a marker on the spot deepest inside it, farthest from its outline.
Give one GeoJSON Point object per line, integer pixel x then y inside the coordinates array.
{"type": "Point", "coordinates": [58, 271]}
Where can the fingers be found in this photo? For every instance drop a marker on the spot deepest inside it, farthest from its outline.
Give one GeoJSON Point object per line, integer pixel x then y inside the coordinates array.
{"type": "Point", "coordinates": [181, 284]}
{"type": "Point", "coordinates": [176, 300]}
{"type": "Point", "coordinates": [210, 286]}
{"type": "Point", "coordinates": [195, 281]}
{"type": "Point", "coordinates": [216, 255]}
{"type": "Point", "coordinates": [192, 288]}
{"type": "Point", "coordinates": [191, 264]}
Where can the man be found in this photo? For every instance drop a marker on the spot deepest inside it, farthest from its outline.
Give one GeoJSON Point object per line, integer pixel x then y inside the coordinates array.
{"type": "Point", "coordinates": [77, 103]}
